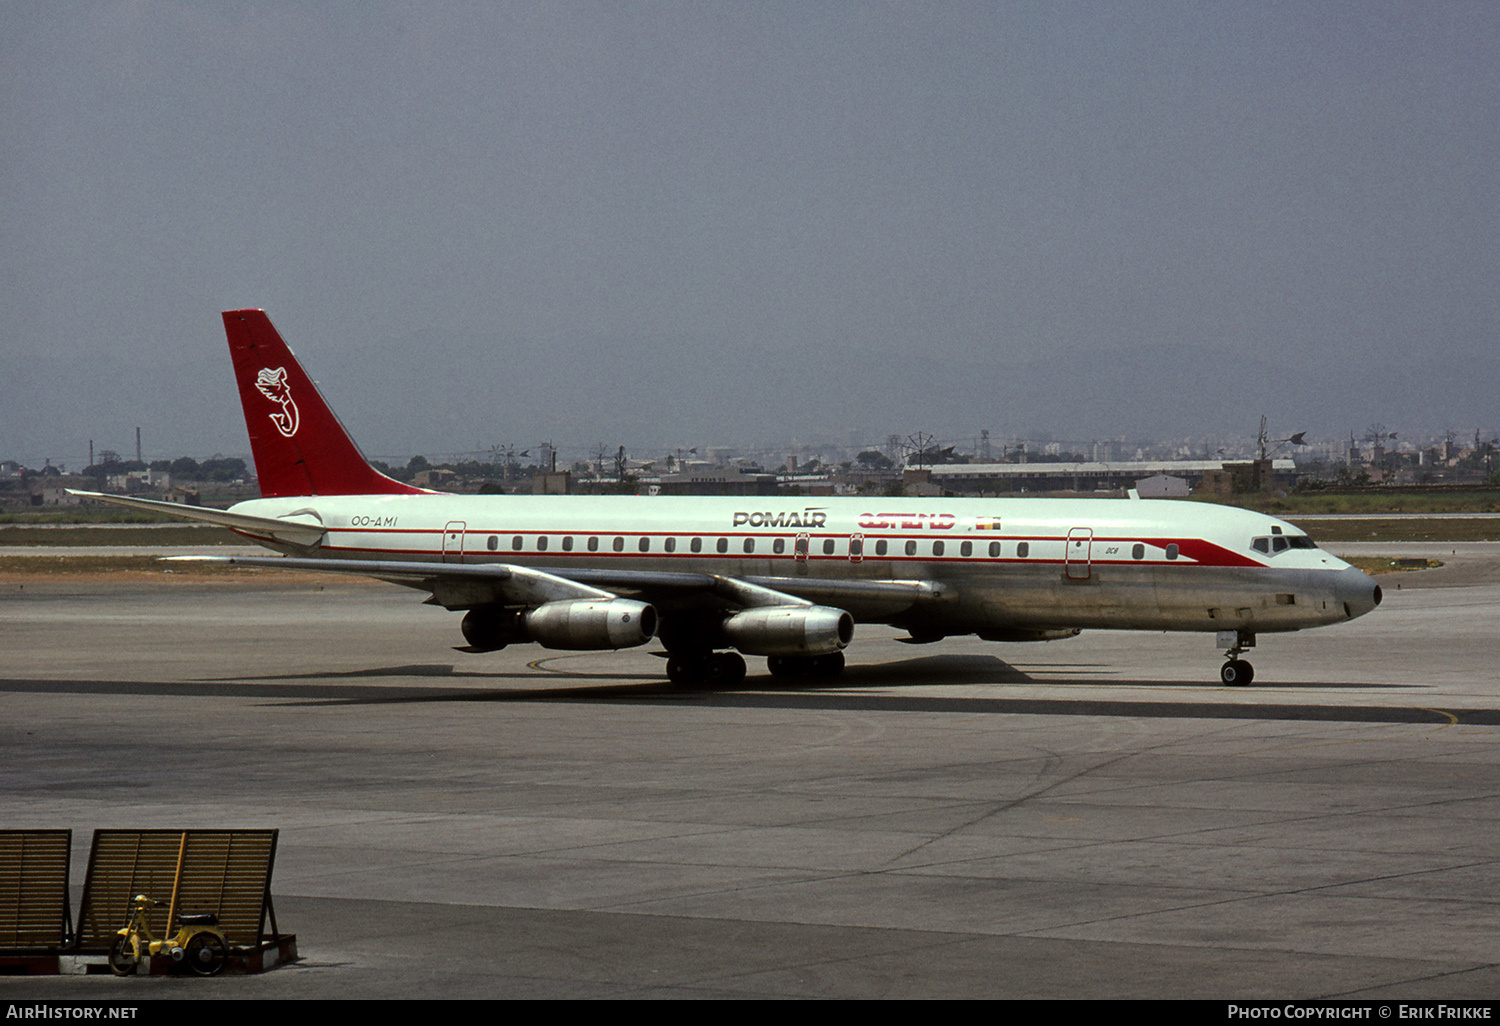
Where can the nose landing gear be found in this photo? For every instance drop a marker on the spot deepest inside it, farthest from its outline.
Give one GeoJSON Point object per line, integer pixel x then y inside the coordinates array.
{"type": "Point", "coordinates": [1236, 672]}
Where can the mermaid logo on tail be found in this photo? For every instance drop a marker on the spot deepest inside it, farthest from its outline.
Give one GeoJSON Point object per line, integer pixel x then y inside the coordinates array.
{"type": "Point", "coordinates": [273, 385]}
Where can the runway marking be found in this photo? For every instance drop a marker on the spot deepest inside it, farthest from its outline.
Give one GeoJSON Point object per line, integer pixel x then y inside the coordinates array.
{"type": "Point", "coordinates": [538, 664]}
{"type": "Point", "coordinates": [1452, 719]}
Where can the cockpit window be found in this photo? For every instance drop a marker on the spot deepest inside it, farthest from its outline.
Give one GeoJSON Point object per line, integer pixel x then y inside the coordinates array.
{"type": "Point", "coordinates": [1282, 542]}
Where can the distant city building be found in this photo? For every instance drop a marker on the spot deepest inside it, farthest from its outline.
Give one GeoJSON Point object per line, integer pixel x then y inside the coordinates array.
{"type": "Point", "coordinates": [997, 478]}
{"type": "Point", "coordinates": [54, 490]}
{"type": "Point", "coordinates": [555, 482]}
{"type": "Point", "coordinates": [436, 478]}
{"type": "Point", "coordinates": [721, 481]}
{"type": "Point", "coordinates": [918, 483]}
{"type": "Point", "coordinates": [1233, 478]}
{"type": "Point", "coordinates": [1162, 486]}
{"type": "Point", "coordinates": [139, 481]}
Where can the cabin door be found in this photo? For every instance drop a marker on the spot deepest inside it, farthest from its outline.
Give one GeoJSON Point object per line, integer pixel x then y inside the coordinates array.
{"type": "Point", "coordinates": [1076, 559]}
{"type": "Point", "coordinates": [453, 542]}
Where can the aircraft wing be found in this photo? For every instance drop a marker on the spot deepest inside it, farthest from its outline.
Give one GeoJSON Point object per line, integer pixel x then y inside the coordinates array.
{"type": "Point", "coordinates": [452, 585]}
{"type": "Point", "coordinates": [866, 600]}
{"type": "Point", "coordinates": [465, 585]}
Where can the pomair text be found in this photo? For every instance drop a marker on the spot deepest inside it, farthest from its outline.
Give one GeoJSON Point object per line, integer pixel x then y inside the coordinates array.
{"type": "Point", "coordinates": [782, 518]}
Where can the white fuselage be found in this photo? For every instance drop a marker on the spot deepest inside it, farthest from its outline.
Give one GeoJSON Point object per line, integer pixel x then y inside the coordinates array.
{"type": "Point", "coordinates": [1043, 564]}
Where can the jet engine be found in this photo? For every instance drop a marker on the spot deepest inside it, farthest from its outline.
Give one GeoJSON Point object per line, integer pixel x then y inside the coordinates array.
{"type": "Point", "coordinates": [575, 624]}
{"type": "Point", "coordinates": [789, 630]}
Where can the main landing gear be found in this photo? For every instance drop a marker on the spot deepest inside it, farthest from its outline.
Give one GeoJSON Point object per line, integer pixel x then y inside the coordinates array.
{"type": "Point", "coordinates": [825, 666]}
{"type": "Point", "coordinates": [727, 669]}
{"type": "Point", "coordinates": [706, 669]}
{"type": "Point", "coordinates": [1236, 672]}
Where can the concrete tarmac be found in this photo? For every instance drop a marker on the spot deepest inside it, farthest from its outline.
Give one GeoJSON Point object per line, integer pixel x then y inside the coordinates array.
{"type": "Point", "coordinates": [1096, 817]}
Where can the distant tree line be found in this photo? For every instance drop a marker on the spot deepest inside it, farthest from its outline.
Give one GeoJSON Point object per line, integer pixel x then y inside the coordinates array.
{"type": "Point", "coordinates": [184, 468]}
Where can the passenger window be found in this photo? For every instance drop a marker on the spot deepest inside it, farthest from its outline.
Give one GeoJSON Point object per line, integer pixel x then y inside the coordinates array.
{"type": "Point", "coordinates": [880, 547]}
{"type": "Point", "coordinates": [994, 550]}
{"type": "Point", "coordinates": [778, 546]}
{"type": "Point", "coordinates": [515, 543]}
{"type": "Point", "coordinates": [937, 548]}
{"type": "Point", "coordinates": [568, 543]}
{"type": "Point", "coordinates": [911, 548]}
{"type": "Point", "coordinates": [723, 545]}
{"type": "Point", "coordinates": [966, 549]}
{"type": "Point", "coordinates": [856, 546]}
{"type": "Point", "coordinates": [1138, 551]}
{"type": "Point", "coordinates": [619, 544]}
{"type": "Point", "coordinates": [541, 543]}
{"type": "Point", "coordinates": [1023, 549]}
{"type": "Point", "coordinates": [697, 545]}
{"type": "Point", "coordinates": [593, 543]}
{"type": "Point", "coordinates": [493, 543]}
{"type": "Point", "coordinates": [644, 545]}
{"type": "Point", "coordinates": [670, 544]}
{"type": "Point", "coordinates": [827, 546]}
{"type": "Point", "coordinates": [1172, 551]}
{"type": "Point", "coordinates": [749, 544]}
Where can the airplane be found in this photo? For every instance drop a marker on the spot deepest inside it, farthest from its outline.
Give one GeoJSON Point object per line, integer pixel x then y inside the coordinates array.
{"type": "Point", "coordinates": [713, 579]}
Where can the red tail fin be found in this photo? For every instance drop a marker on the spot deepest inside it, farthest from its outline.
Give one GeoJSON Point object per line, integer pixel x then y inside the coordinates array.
{"type": "Point", "coordinates": [300, 448]}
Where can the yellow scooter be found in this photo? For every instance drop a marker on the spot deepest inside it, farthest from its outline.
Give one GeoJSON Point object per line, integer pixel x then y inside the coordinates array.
{"type": "Point", "coordinates": [198, 942]}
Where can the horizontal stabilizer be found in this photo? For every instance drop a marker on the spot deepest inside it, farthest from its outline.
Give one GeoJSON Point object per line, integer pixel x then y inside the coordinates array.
{"type": "Point", "coordinates": [306, 532]}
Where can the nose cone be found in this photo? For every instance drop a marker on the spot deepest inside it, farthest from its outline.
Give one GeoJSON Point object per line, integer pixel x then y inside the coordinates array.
{"type": "Point", "coordinates": [1357, 591]}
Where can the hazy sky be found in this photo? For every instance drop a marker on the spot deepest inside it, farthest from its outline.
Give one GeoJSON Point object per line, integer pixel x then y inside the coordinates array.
{"type": "Point", "coordinates": [691, 223]}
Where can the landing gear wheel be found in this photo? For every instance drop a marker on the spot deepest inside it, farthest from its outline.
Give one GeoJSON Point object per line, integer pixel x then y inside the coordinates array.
{"type": "Point", "coordinates": [122, 960]}
{"type": "Point", "coordinates": [1236, 673]}
{"type": "Point", "coordinates": [828, 665]}
{"type": "Point", "coordinates": [206, 953]}
{"type": "Point", "coordinates": [685, 671]}
{"type": "Point", "coordinates": [806, 666]}
{"type": "Point", "coordinates": [728, 668]}
{"type": "Point", "coordinates": [716, 669]}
